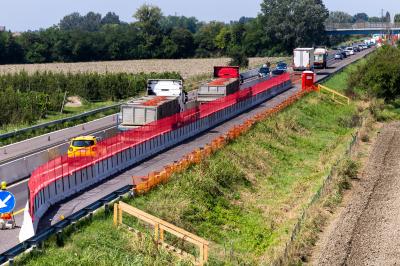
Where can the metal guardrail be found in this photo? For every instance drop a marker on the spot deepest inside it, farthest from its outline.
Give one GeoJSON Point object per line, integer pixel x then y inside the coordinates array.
{"type": "Point", "coordinates": [36, 240]}
{"type": "Point", "coordinates": [59, 121]}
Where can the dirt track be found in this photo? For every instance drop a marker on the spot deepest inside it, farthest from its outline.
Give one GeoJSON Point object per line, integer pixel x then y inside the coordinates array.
{"type": "Point", "coordinates": [367, 230]}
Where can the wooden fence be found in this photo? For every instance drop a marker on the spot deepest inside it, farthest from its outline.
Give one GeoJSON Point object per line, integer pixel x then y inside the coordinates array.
{"type": "Point", "coordinates": [160, 227]}
{"type": "Point", "coordinates": [336, 96]}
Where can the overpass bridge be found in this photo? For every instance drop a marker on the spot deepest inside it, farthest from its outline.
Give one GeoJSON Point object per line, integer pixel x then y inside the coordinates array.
{"type": "Point", "coordinates": [366, 28]}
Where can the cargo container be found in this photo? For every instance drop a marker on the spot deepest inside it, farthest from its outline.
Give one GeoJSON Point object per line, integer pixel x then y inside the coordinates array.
{"type": "Point", "coordinates": [147, 109]}
{"type": "Point", "coordinates": [217, 88]}
{"type": "Point", "coordinates": [303, 59]}
{"type": "Point", "coordinates": [225, 82]}
{"type": "Point", "coordinates": [320, 58]}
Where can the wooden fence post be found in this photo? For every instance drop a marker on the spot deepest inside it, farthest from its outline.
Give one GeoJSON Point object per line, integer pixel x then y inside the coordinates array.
{"type": "Point", "coordinates": [119, 215]}
{"type": "Point", "coordinates": [156, 229]}
{"type": "Point", "coordinates": [116, 214]}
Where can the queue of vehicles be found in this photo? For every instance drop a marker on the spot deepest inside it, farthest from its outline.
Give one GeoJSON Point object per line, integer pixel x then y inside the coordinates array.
{"type": "Point", "coordinates": [344, 52]}
{"type": "Point", "coordinates": [168, 97]}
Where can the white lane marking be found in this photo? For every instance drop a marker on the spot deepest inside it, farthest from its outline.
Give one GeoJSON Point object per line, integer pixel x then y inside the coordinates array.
{"type": "Point", "coordinates": [19, 183]}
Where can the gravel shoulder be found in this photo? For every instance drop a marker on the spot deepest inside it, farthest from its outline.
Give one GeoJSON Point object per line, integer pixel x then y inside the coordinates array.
{"type": "Point", "coordinates": [366, 230]}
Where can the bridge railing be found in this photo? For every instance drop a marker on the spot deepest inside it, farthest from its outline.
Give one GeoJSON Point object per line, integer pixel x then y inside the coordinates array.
{"type": "Point", "coordinates": [361, 25]}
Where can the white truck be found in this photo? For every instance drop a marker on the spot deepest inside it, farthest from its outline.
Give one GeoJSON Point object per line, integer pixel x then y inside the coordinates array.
{"type": "Point", "coordinates": [165, 97]}
{"type": "Point", "coordinates": [303, 59]}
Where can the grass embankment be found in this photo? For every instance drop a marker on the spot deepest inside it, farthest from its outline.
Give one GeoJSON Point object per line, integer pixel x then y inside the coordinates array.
{"type": "Point", "coordinates": [245, 199]}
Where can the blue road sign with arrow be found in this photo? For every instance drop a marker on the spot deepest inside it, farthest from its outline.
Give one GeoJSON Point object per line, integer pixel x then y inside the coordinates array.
{"type": "Point", "coordinates": [7, 202]}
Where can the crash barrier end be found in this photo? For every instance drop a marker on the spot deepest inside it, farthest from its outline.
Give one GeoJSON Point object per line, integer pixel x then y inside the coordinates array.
{"type": "Point", "coordinates": [160, 227]}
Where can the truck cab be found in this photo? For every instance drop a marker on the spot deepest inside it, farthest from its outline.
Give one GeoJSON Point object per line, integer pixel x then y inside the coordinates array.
{"type": "Point", "coordinates": [168, 88]}
{"type": "Point", "coordinates": [320, 58]}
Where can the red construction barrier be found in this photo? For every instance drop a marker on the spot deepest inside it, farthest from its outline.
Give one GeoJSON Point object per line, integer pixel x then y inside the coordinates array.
{"type": "Point", "coordinates": [55, 169]}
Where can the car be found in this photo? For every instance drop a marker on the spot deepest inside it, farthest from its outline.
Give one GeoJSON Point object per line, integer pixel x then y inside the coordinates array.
{"type": "Point", "coordinates": [83, 146]}
{"type": "Point", "coordinates": [356, 49]}
{"type": "Point", "coordinates": [264, 72]}
{"type": "Point", "coordinates": [345, 53]}
{"type": "Point", "coordinates": [281, 67]}
{"type": "Point", "coordinates": [339, 56]}
{"type": "Point", "coordinates": [350, 50]}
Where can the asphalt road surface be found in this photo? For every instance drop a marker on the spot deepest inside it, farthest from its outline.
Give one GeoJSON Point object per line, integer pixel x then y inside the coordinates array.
{"type": "Point", "coordinates": [156, 163]}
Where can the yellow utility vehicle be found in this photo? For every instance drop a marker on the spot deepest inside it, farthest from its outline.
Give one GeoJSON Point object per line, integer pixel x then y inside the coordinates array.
{"type": "Point", "coordinates": [83, 146]}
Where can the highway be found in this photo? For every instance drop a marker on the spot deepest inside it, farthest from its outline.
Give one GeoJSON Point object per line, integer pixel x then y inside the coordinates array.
{"type": "Point", "coordinates": [153, 164]}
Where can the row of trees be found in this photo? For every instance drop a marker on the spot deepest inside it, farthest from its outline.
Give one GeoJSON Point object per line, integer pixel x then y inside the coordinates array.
{"type": "Point", "coordinates": [280, 27]}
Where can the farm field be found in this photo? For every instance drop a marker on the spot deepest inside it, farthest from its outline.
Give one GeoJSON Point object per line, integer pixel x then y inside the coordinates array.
{"type": "Point", "coordinates": [186, 67]}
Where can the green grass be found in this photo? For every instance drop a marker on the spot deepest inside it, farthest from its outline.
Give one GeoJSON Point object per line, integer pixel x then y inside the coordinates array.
{"type": "Point", "coordinates": [100, 244]}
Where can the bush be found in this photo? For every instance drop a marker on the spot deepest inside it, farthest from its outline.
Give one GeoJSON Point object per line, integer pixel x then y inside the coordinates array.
{"type": "Point", "coordinates": [379, 76]}
{"type": "Point", "coordinates": [238, 58]}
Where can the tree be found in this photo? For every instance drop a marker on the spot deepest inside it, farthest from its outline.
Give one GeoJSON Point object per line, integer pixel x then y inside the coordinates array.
{"type": "Point", "coordinates": [288, 23]}
{"type": "Point", "coordinates": [397, 18]}
{"type": "Point", "coordinates": [149, 23]}
{"type": "Point", "coordinates": [110, 18]}
{"type": "Point", "coordinates": [360, 17]}
{"type": "Point", "coordinates": [238, 57]}
{"type": "Point", "coordinates": [205, 39]}
{"type": "Point", "coordinates": [339, 17]}
{"type": "Point", "coordinates": [387, 17]}
{"type": "Point", "coordinates": [70, 22]}
{"type": "Point", "coordinates": [375, 20]}
{"type": "Point", "coordinates": [91, 22]}
{"type": "Point", "coordinates": [172, 22]}
{"type": "Point", "coordinates": [149, 18]}
{"type": "Point", "coordinates": [184, 41]}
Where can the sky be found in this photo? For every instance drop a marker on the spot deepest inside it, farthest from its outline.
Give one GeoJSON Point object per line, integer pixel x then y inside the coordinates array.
{"type": "Point", "coordinates": [22, 15]}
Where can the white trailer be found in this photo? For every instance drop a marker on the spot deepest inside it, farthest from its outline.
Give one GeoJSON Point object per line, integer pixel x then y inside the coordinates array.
{"type": "Point", "coordinates": [303, 59]}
